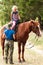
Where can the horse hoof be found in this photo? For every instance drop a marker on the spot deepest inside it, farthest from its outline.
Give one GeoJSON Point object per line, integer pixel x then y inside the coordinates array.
{"type": "Point", "coordinates": [20, 61]}
{"type": "Point", "coordinates": [23, 60]}
{"type": "Point", "coordinates": [3, 57]}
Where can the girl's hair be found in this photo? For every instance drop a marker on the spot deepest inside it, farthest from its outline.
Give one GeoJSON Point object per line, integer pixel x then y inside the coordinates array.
{"type": "Point", "coordinates": [14, 7]}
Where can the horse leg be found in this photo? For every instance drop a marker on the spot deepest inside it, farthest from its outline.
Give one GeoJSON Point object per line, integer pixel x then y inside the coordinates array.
{"type": "Point", "coordinates": [19, 51]}
{"type": "Point", "coordinates": [23, 46]}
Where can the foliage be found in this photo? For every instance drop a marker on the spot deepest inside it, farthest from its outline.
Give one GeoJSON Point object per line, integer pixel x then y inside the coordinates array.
{"type": "Point", "coordinates": [27, 9]}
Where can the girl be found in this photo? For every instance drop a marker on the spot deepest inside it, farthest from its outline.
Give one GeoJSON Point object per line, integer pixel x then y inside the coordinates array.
{"type": "Point", "coordinates": [14, 16]}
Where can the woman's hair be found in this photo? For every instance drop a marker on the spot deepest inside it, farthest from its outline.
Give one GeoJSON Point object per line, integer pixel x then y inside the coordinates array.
{"type": "Point", "coordinates": [14, 7]}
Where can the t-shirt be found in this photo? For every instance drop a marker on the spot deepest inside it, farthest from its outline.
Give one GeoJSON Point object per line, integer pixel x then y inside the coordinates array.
{"type": "Point", "coordinates": [15, 16]}
{"type": "Point", "coordinates": [9, 34]}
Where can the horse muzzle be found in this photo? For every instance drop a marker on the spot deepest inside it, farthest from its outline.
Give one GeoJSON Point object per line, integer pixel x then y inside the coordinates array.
{"type": "Point", "coordinates": [39, 34]}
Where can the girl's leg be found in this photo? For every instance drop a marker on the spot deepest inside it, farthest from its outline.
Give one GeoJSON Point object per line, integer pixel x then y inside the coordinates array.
{"type": "Point", "coordinates": [13, 25]}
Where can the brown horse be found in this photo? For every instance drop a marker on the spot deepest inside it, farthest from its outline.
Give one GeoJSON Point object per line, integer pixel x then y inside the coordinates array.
{"type": "Point", "coordinates": [22, 35]}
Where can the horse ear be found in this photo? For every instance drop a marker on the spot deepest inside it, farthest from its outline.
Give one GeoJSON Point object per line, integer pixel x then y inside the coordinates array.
{"type": "Point", "coordinates": [32, 22]}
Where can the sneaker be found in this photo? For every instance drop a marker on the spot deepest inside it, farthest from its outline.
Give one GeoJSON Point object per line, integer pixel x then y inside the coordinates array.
{"type": "Point", "coordinates": [11, 63]}
{"type": "Point", "coordinates": [6, 60]}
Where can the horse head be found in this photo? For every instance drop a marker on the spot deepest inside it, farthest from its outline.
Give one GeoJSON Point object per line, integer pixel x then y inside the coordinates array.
{"type": "Point", "coordinates": [35, 27]}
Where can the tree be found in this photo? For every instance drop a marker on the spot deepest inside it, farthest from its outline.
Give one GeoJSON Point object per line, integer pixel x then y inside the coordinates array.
{"type": "Point", "coordinates": [27, 9]}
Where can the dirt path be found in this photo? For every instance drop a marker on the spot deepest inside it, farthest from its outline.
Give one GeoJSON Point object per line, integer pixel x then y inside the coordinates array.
{"type": "Point", "coordinates": [35, 49]}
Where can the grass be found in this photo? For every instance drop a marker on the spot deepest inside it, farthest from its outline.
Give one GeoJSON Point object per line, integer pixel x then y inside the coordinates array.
{"type": "Point", "coordinates": [34, 58]}
{"type": "Point", "coordinates": [38, 41]}
{"type": "Point", "coordinates": [31, 57]}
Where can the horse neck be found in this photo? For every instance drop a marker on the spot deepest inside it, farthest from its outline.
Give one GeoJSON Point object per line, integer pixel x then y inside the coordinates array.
{"type": "Point", "coordinates": [27, 27]}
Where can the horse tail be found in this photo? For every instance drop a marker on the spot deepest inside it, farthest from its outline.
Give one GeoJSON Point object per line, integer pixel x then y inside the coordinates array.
{"type": "Point", "coordinates": [2, 44]}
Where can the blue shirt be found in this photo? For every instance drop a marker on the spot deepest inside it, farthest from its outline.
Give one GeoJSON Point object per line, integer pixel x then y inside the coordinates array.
{"type": "Point", "coordinates": [9, 34]}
